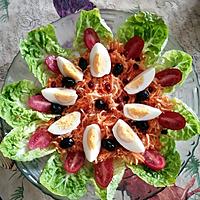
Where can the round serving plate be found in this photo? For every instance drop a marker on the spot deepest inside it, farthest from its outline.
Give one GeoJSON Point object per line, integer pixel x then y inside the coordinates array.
{"type": "Point", "coordinates": [65, 31]}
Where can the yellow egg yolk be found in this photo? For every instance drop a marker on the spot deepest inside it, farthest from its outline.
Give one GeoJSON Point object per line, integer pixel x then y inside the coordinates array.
{"type": "Point", "coordinates": [125, 133]}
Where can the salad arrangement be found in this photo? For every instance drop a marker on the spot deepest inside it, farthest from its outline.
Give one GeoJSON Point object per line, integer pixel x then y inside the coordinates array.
{"type": "Point", "coordinates": [103, 111]}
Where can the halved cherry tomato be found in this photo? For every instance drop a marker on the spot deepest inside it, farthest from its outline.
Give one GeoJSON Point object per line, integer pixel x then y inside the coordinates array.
{"type": "Point", "coordinates": [41, 138]}
{"type": "Point", "coordinates": [103, 172]}
{"type": "Point", "coordinates": [90, 38]}
{"type": "Point", "coordinates": [171, 120]}
{"type": "Point", "coordinates": [169, 77]}
{"type": "Point", "coordinates": [154, 160]}
{"type": "Point", "coordinates": [39, 103]}
{"type": "Point", "coordinates": [51, 63]}
{"type": "Point", "coordinates": [74, 161]}
{"type": "Point", "coordinates": [134, 47]}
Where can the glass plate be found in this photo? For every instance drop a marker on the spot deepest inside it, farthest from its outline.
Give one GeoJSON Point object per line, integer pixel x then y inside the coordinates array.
{"type": "Point", "coordinates": [65, 29]}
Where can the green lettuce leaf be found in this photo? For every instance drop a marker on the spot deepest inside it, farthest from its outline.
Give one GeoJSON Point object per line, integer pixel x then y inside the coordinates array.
{"type": "Point", "coordinates": [19, 92]}
{"type": "Point", "coordinates": [151, 28]}
{"type": "Point", "coordinates": [91, 19]}
{"type": "Point", "coordinates": [13, 104]}
{"type": "Point", "coordinates": [167, 176]}
{"type": "Point", "coordinates": [59, 182]}
{"type": "Point", "coordinates": [14, 144]}
{"type": "Point", "coordinates": [109, 192]}
{"type": "Point", "coordinates": [178, 59]}
{"type": "Point", "coordinates": [40, 43]}
{"type": "Point", "coordinates": [192, 126]}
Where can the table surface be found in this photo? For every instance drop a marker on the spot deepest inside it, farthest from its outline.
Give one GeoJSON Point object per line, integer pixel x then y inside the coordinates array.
{"type": "Point", "coordinates": [21, 16]}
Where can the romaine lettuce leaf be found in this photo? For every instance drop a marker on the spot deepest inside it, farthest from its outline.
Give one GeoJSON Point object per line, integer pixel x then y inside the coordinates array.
{"type": "Point", "coordinates": [109, 192]}
{"type": "Point", "coordinates": [91, 19]}
{"type": "Point", "coordinates": [151, 28]}
{"type": "Point", "coordinates": [14, 144]}
{"type": "Point", "coordinates": [40, 43]}
{"type": "Point", "coordinates": [167, 176]}
{"type": "Point", "coordinates": [59, 182]}
{"type": "Point", "coordinates": [178, 59]}
{"type": "Point", "coordinates": [192, 127]}
{"type": "Point", "coordinates": [19, 92]}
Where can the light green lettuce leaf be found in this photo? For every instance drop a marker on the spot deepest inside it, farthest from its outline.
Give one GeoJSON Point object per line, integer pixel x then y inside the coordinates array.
{"type": "Point", "coordinates": [58, 181]}
{"type": "Point", "coordinates": [151, 28]}
{"type": "Point", "coordinates": [14, 144]}
{"type": "Point", "coordinates": [91, 19]}
{"type": "Point", "coordinates": [192, 126]}
{"type": "Point", "coordinates": [40, 43]}
{"type": "Point", "coordinates": [109, 192]}
{"type": "Point", "coordinates": [19, 92]}
{"type": "Point", "coordinates": [178, 59]}
{"type": "Point", "coordinates": [167, 176]}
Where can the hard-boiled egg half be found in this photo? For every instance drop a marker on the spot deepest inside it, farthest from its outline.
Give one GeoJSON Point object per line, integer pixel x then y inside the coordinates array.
{"type": "Point", "coordinates": [92, 142]}
{"type": "Point", "coordinates": [140, 112]}
{"type": "Point", "coordinates": [65, 124]}
{"type": "Point", "coordinates": [140, 82]}
{"type": "Point", "coordinates": [62, 96]}
{"type": "Point", "coordinates": [127, 137]}
{"type": "Point", "coordinates": [67, 68]}
{"type": "Point", "coordinates": [100, 63]}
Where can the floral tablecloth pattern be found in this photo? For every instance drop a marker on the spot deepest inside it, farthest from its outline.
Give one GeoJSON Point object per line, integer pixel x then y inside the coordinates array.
{"type": "Point", "coordinates": [17, 17]}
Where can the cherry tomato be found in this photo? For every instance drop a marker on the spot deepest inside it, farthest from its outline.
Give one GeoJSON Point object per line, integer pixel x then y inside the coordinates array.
{"type": "Point", "coordinates": [41, 138]}
{"type": "Point", "coordinates": [134, 47]}
{"type": "Point", "coordinates": [103, 172]}
{"type": "Point", "coordinates": [74, 161]}
{"type": "Point", "coordinates": [171, 120]}
{"type": "Point", "coordinates": [90, 38]}
{"type": "Point", "coordinates": [169, 77]}
{"type": "Point", "coordinates": [154, 160]}
{"type": "Point", "coordinates": [51, 63]}
{"type": "Point", "coordinates": [39, 103]}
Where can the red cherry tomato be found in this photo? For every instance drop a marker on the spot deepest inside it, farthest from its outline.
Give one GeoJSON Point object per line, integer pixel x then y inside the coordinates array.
{"type": "Point", "coordinates": [103, 172]}
{"type": "Point", "coordinates": [41, 138]}
{"type": "Point", "coordinates": [51, 63]}
{"type": "Point", "coordinates": [39, 103]}
{"type": "Point", "coordinates": [74, 161]}
{"type": "Point", "coordinates": [169, 77]}
{"type": "Point", "coordinates": [154, 160]}
{"type": "Point", "coordinates": [90, 38]}
{"type": "Point", "coordinates": [134, 47]}
{"type": "Point", "coordinates": [171, 120]}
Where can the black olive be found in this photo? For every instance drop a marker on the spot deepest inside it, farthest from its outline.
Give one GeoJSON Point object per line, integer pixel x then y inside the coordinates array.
{"type": "Point", "coordinates": [91, 85]}
{"type": "Point", "coordinates": [68, 82]}
{"type": "Point", "coordinates": [109, 144]}
{"type": "Point", "coordinates": [142, 96]}
{"type": "Point", "coordinates": [56, 108]}
{"type": "Point", "coordinates": [101, 105]}
{"type": "Point", "coordinates": [135, 66]}
{"type": "Point", "coordinates": [164, 131]}
{"type": "Point", "coordinates": [117, 69]}
{"type": "Point", "coordinates": [66, 143]}
{"type": "Point", "coordinates": [142, 125]}
{"type": "Point", "coordinates": [83, 63]}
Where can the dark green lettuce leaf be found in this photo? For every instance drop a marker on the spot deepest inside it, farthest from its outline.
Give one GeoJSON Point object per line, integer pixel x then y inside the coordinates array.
{"type": "Point", "coordinates": [14, 144]}
{"type": "Point", "coordinates": [151, 28]}
{"type": "Point", "coordinates": [167, 176]}
{"type": "Point", "coordinates": [192, 126]}
{"type": "Point", "coordinates": [58, 181]}
{"type": "Point", "coordinates": [40, 43]}
{"type": "Point", "coordinates": [91, 19]}
{"type": "Point", "coordinates": [177, 59]}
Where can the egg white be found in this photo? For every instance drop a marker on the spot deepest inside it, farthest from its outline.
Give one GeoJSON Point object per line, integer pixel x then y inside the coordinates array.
{"type": "Point", "coordinates": [98, 48]}
{"type": "Point", "coordinates": [135, 145]}
{"type": "Point", "coordinates": [91, 154]}
{"type": "Point", "coordinates": [147, 75]}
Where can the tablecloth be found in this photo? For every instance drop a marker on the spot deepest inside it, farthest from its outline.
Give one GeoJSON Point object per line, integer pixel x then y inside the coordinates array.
{"type": "Point", "coordinates": [17, 17]}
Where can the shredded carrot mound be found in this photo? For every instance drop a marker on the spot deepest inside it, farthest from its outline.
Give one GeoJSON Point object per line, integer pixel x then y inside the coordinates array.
{"type": "Point", "coordinates": [110, 89]}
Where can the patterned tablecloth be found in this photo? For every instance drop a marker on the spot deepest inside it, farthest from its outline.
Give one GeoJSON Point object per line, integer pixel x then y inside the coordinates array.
{"type": "Point", "coordinates": [17, 17]}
